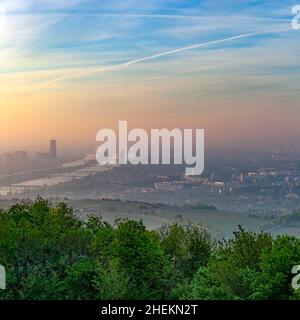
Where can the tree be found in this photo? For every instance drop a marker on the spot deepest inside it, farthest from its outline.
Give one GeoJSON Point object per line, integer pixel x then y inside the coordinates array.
{"type": "Point", "coordinates": [275, 278]}
{"type": "Point", "coordinates": [137, 252]}
{"type": "Point", "coordinates": [187, 248]}
{"type": "Point", "coordinates": [230, 271]}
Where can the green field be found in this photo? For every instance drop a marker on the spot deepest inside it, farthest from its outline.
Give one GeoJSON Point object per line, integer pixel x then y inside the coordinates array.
{"type": "Point", "coordinates": [220, 223]}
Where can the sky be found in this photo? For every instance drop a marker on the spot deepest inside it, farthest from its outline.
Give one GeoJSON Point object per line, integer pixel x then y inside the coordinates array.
{"type": "Point", "coordinates": [71, 67]}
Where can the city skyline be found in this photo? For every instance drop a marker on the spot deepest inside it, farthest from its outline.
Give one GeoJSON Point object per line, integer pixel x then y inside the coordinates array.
{"type": "Point", "coordinates": [51, 153]}
{"type": "Point", "coordinates": [70, 71]}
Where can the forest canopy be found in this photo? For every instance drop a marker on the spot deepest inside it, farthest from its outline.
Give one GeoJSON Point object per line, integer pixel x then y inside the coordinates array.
{"type": "Point", "coordinates": [51, 254]}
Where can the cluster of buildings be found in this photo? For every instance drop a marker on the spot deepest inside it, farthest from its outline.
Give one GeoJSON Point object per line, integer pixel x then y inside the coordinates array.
{"type": "Point", "coordinates": [261, 182]}
{"type": "Point", "coordinates": [52, 154]}
{"type": "Point", "coordinates": [20, 158]}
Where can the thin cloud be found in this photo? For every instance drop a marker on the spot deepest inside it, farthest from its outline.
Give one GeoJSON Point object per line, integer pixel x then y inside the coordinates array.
{"type": "Point", "coordinates": [127, 64]}
{"type": "Point", "coordinates": [187, 17]}
{"type": "Point", "coordinates": [158, 16]}
{"type": "Point", "coordinates": [145, 59]}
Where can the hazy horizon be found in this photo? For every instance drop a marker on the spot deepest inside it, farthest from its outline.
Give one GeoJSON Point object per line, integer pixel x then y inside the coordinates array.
{"type": "Point", "coordinates": [68, 71]}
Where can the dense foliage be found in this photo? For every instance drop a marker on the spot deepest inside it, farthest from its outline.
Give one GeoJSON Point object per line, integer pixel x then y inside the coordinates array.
{"type": "Point", "coordinates": [49, 253]}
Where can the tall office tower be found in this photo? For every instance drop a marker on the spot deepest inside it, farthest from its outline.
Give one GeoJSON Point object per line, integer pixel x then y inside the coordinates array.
{"type": "Point", "coordinates": [53, 149]}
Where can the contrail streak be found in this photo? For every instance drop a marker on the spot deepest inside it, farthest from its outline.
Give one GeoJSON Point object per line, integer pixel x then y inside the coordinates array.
{"type": "Point", "coordinates": [152, 57]}
{"type": "Point", "coordinates": [157, 16]}
{"type": "Point", "coordinates": [187, 17]}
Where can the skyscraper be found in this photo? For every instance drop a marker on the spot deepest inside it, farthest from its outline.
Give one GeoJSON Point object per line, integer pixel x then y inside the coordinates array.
{"type": "Point", "coordinates": [53, 149]}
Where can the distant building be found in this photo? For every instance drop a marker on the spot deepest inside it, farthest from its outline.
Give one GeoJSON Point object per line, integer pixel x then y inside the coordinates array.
{"type": "Point", "coordinates": [50, 155]}
{"type": "Point", "coordinates": [53, 149]}
{"type": "Point", "coordinates": [291, 195]}
{"type": "Point", "coordinates": [242, 177]}
{"type": "Point", "coordinates": [8, 158]}
{"type": "Point", "coordinates": [219, 184]}
{"type": "Point", "coordinates": [42, 156]}
{"type": "Point", "coordinates": [20, 155]}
